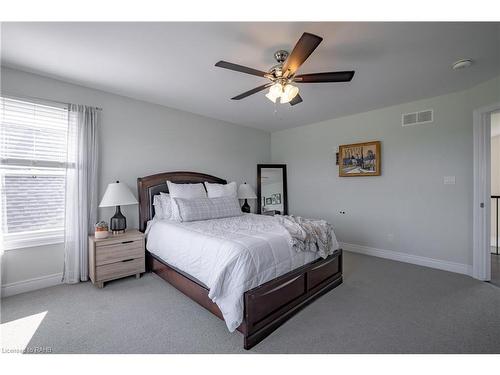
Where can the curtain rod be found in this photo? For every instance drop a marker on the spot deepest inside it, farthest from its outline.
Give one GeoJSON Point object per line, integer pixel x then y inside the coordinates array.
{"type": "Point", "coordinates": [43, 100]}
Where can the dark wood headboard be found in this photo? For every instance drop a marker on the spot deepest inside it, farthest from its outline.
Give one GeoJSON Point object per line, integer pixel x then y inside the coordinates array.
{"type": "Point", "coordinates": [149, 186]}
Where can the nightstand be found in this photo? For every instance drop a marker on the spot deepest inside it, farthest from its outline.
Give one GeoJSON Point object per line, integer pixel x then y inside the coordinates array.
{"type": "Point", "coordinates": [117, 256]}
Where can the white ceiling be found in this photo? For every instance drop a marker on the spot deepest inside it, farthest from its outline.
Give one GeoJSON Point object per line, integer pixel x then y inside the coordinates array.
{"type": "Point", "coordinates": [173, 63]}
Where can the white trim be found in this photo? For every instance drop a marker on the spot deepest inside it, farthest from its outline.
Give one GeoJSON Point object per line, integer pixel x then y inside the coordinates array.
{"type": "Point", "coordinates": [31, 284]}
{"type": "Point", "coordinates": [481, 231]}
{"type": "Point", "coordinates": [444, 265]}
{"type": "Point", "coordinates": [34, 238]}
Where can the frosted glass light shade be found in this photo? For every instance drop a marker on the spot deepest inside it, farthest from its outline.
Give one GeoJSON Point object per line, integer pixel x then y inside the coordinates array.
{"type": "Point", "coordinates": [275, 92]}
{"type": "Point", "coordinates": [245, 191]}
{"type": "Point", "coordinates": [276, 89]}
{"type": "Point", "coordinates": [271, 97]}
{"type": "Point", "coordinates": [289, 92]}
{"type": "Point", "coordinates": [117, 194]}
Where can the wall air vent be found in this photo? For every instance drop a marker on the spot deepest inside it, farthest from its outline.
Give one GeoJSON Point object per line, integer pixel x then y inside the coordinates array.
{"type": "Point", "coordinates": [417, 118]}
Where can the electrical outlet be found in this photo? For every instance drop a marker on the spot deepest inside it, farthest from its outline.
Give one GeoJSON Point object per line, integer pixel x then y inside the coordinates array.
{"type": "Point", "coordinates": [342, 212]}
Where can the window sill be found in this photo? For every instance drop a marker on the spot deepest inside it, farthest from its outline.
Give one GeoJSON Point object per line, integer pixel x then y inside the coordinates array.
{"type": "Point", "coordinates": [32, 239]}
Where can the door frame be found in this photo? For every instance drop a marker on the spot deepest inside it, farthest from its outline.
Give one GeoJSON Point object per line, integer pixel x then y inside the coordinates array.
{"type": "Point", "coordinates": [481, 233]}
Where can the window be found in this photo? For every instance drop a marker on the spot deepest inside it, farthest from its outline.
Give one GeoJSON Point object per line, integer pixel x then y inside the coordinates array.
{"type": "Point", "coordinates": [33, 153]}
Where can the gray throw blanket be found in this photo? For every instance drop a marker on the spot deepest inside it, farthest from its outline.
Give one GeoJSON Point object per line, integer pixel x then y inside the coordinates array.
{"type": "Point", "coordinates": [310, 235]}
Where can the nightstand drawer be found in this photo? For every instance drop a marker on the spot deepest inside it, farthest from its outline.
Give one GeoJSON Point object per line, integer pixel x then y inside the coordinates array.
{"type": "Point", "coordinates": [106, 254]}
{"type": "Point", "coordinates": [119, 269]}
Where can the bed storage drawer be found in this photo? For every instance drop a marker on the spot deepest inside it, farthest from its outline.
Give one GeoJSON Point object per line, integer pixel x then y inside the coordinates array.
{"type": "Point", "coordinates": [322, 272]}
{"type": "Point", "coordinates": [267, 299]}
{"type": "Point", "coordinates": [113, 253]}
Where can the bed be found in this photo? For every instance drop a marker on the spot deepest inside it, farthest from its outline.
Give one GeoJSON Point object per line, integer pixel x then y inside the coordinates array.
{"type": "Point", "coordinates": [267, 301]}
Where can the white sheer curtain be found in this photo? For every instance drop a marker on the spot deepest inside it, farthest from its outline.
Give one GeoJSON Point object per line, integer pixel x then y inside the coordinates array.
{"type": "Point", "coordinates": [81, 190]}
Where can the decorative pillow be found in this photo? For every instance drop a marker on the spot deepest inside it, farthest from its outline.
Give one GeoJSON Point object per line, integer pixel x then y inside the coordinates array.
{"type": "Point", "coordinates": [184, 191]}
{"type": "Point", "coordinates": [158, 207]}
{"type": "Point", "coordinates": [207, 208]}
{"type": "Point", "coordinates": [163, 206]}
{"type": "Point", "coordinates": [221, 190]}
{"type": "Point", "coordinates": [166, 203]}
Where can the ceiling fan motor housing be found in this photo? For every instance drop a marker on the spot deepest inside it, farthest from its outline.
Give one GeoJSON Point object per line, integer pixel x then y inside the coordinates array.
{"type": "Point", "coordinates": [281, 55]}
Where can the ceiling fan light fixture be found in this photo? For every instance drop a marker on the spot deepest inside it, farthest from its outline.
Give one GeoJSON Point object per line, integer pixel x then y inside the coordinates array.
{"type": "Point", "coordinates": [272, 97]}
{"type": "Point", "coordinates": [289, 92]}
{"type": "Point", "coordinates": [284, 73]}
{"type": "Point", "coordinates": [275, 92]}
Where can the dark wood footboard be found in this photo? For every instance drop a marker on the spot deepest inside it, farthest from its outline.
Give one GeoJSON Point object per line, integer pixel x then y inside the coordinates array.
{"type": "Point", "coordinates": [269, 305]}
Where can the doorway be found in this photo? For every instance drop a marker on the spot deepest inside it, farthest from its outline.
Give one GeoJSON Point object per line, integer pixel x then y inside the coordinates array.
{"type": "Point", "coordinates": [495, 197]}
{"type": "Point", "coordinates": [485, 186]}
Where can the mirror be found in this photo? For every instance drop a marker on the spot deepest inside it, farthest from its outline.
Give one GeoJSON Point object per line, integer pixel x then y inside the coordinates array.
{"type": "Point", "coordinates": [271, 189]}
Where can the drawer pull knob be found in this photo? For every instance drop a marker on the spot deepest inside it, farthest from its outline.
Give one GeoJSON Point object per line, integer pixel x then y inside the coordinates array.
{"type": "Point", "coordinates": [128, 260]}
{"type": "Point", "coordinates": [127, 241]}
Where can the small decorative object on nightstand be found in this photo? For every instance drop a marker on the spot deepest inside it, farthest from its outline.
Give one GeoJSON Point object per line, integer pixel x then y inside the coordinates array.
{"type": "Point", "coordinates": [117, 256]}
{"type": "Point", "coordinates": [118, 194]}
{"type": "Point", "coordinates": [245, 192]}
{"type": "Point", "coordinates": [101, 230]}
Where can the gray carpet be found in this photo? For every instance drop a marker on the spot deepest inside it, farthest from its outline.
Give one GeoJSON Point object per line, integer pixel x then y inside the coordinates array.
{"type": "Point", "coordinates": [382, 307]}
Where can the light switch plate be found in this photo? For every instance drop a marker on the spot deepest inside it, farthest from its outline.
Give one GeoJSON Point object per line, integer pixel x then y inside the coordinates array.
{"type": "Point", "coordinates": [449, 180]}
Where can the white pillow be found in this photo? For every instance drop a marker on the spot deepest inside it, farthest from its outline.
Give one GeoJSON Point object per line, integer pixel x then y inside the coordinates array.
{"type": "Point", "coordinates": [207, 208]}
{"type": "Point", "coordinates": [163, 206]}
{"type": "Point", "coordinates": [158, 206]}
{"type": "Point", "coordinates": [184, 191]}
{"type": "Point", "coordinates": [221, 190]}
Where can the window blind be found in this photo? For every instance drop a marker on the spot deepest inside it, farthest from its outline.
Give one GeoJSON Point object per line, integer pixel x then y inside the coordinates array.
{"type": "Point", "coordinates": [33, 154]}
{"type": "Point", "coordinates": [33, 134]}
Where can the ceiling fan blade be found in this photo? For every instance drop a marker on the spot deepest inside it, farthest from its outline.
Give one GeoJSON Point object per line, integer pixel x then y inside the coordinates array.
{"type": "Point", "coordinates": [325, 77]}
{"type": "Point", "coordinates": [296, 100]}
{"type": "Point", "coordinates": [240, 68]}
{"type": "Point", "coordinates": [253, 91]}
{"type": "Point", "coordinates": [302, 50]}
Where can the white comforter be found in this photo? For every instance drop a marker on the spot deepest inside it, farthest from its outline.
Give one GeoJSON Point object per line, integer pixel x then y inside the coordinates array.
{"type": "Point", "coordinates": [230, 255]}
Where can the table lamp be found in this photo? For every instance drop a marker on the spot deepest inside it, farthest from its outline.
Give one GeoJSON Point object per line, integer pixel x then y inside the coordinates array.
{"type": "Point", "coordinates": [245, 192]}
{"type": "Point", "coordinates": [117, 194]}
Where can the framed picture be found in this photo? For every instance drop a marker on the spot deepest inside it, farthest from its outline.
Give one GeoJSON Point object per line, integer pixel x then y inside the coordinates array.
{"type": "Point", "coordinates": [269, 201]}
{"type": "Point", "coordinates": [276, 198]}
{"type": "Point", "coordinates": [359, 159]}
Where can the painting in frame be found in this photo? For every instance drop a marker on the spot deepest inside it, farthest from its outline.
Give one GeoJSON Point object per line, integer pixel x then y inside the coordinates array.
{"type": "Point", "coordinates": [359, 159]}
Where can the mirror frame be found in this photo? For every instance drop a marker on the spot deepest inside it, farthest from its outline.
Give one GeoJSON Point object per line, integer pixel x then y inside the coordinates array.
{"type": "Point", "coordinates": [285, 190]}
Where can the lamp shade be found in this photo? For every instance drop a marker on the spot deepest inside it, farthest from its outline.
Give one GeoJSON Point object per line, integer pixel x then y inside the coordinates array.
{"type": "Point", "coordinates": [245, 191]}
{"type": "Point", "coordinates": [117, 194]}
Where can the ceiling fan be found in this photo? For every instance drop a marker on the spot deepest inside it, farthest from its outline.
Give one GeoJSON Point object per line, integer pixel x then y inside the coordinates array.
{"type": "Point", "coordinates": [282, 76]}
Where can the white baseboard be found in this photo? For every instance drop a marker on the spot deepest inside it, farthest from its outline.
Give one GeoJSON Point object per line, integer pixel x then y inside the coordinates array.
{"type": "Point", "coordinates": [31, 284]}
{"type": "Point", "coordinates": [409, 258]}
